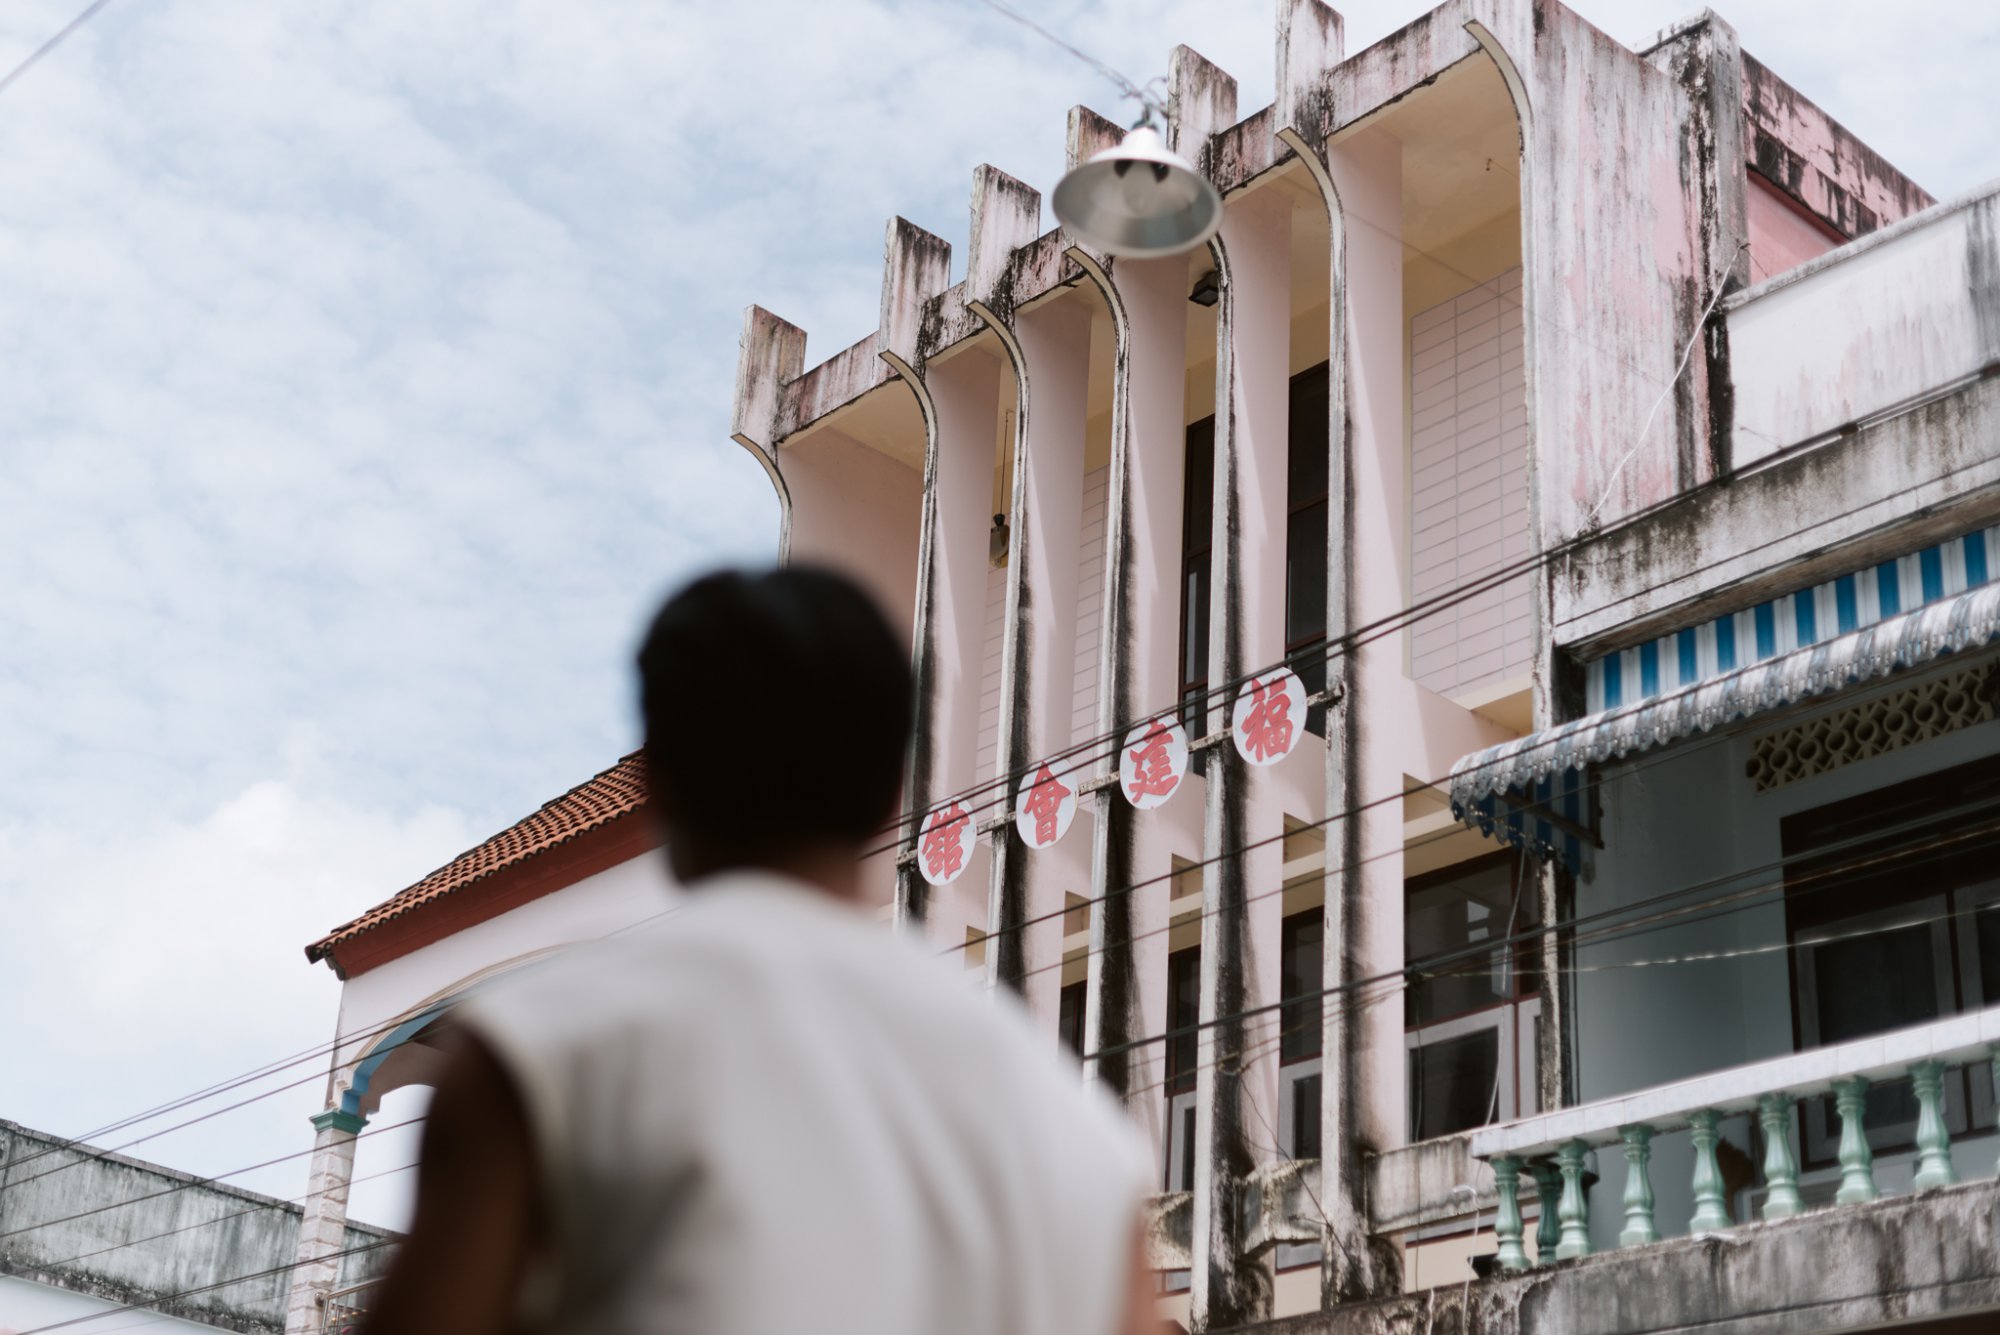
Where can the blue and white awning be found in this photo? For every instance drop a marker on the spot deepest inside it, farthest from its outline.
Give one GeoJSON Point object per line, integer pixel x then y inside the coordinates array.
{"type": "Point", "coordinates": [1793, 621]}
{"type": "Point", "coordinates": [1531, 792]}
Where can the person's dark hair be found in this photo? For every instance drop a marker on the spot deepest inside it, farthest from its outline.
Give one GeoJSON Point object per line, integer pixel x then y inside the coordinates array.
{"type": "Point", "coordinates": [777, 709]}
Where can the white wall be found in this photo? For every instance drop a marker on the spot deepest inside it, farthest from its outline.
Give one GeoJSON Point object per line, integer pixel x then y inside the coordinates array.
{"type": "Point", "coordinates": [29, 1306]}
{"type": "Point", "coordinates": [612, 899]}
{"type": "Point", "coordinates": [1905, 310]}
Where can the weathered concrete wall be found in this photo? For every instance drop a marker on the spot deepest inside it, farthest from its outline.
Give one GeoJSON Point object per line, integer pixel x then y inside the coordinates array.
{"type": "Point", "coordinates": [1912, 308]}
{"type": "Point", "coordinates": [127, 1231]}
{"type": "Point", "coordinates": [1887, 488]}
{"type": "Point", "coordinates": [1814, 159]}
{"type": "Point", "coordinates": [1903, 1258]}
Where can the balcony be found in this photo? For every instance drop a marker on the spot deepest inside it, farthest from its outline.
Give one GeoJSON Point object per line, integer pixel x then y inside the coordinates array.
{"type": "Point", "coordinates": [1772, 1092]}
{"type": "Point", "coordinates": [342, 1311]}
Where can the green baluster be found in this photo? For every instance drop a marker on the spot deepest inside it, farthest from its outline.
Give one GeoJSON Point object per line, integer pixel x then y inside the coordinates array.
{"type": "Point", "coordinates": [1857, 1161]}
{"type": "Point", "coordinates": [1548, 1190]}
{"type": "Point", "coordinates": [1507, 1219]}
{"type": "Point", "coordinates": [1933, 1141]}
{"type": "Point", "coordinates": [1573, 1212]}
{"type": "Point", "coordinates": [1711, 1211]}
{"type": "Point", "coordinates": [1781, 1173]}
{"type": "Point", "coordinates": [1639, 1228]}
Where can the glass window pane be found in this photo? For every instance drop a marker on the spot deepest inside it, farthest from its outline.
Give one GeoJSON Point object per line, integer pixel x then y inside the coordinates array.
{"type": "Point", "coordinates": [1872, 984]}
{"type": "Point", "coordinates": [1986, 941]}
{"type": "Point", "coordinates": [1453, 1083]}
{"type": "Point", "coordinates": [1307, 440]}
{"type": "Point", "coordinates": [1444, 923]}
{"type": "Point", "coordinates": [1069, 1017]}
{"type": "Point", "coordinates": [1305, 1118]}
{"type": "Point", "coordinates": [1183, 1012]}
{"type": "Point", "coordinates": [1299, 976]}
{"type": "Point", "coordinates": [1305, 573]}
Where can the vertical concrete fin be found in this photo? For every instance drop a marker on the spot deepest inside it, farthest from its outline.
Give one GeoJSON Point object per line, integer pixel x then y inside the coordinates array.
{"type": "Point", "coordinates": [1311, 42]}
{"type": "Point", "coordinates": [1089, 135]}
{"type": "Point", "coordinates": [916, 266]}
{"type": "Point", "coordinates": [1201, 99]}
{"type": "Point", "coordinates": [770, 355]}
{"type": "Point", "coordinates": [1006, 215]}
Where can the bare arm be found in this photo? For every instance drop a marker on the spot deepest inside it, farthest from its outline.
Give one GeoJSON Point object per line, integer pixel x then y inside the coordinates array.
{"type": "Point", "coordinates": [1142, 1300]}
{"type": "Point", "coordinates": [459, 1270]}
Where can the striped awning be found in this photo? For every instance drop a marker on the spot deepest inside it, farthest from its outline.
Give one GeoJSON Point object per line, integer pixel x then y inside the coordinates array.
{"type": "Point", "coordinates": [1525, 792]}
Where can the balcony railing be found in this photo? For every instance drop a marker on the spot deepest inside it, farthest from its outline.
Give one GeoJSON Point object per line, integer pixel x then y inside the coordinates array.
{"type": "Point", "coordinates": [1554, 1146]}
{"type": "Point", "coordinates": [341, 1311]}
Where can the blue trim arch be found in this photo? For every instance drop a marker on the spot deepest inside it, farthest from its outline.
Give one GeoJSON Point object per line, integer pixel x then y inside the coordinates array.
{"type": "Point", "coordinates": [357, 1090]}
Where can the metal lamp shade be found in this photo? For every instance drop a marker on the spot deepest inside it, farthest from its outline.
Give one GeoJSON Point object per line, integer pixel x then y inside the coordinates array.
{"type": "Point", "coordinates": [1140, 200]}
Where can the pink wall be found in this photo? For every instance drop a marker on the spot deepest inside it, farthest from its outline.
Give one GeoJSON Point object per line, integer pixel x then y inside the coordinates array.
{"type": "Point", "coordinates": [1782, 236]}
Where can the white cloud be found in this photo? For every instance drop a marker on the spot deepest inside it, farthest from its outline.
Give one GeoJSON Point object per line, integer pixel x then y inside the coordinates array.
{"type": "Point", "coordinates": [155, 960]}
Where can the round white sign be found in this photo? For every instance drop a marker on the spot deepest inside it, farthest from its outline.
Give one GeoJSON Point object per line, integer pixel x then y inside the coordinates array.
{"type": "Point", "coordinates": [944, 844]}
{"type": "Point", "coordinates": [1153, 762]}
{"type": "Point", "coordinates": [1045, 804]}
{"type": "Point", "coordinates": [1270, 714]}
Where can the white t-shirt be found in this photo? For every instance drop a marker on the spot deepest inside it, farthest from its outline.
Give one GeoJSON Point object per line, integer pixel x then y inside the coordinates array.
{"type": "Point", "coordinates": [768, 1114]}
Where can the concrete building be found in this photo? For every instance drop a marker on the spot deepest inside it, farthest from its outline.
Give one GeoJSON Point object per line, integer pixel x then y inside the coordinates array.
{"type": "Point", "coordinates": [101, 1242]}
{"type": "Point", "coordinates": [1609, 443]}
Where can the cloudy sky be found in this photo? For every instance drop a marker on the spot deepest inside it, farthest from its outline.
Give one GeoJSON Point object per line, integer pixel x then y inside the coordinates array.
{"type": "Point", "coordinates": [367, 377]}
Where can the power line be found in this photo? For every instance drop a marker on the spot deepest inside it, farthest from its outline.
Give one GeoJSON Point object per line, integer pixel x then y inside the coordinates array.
{"type": "Point", "coordinates": [192, 1183]}
{"type": "Point", "coordinates": [349, 1040]}
{"type": "Point", "coordinates": [1340, 645]}
{"type": "Point", "coordinates": [154, 1303]}
{"type": "Point", "coordinates": [220, 1219]}
{"type": "Point", "coordinates": [89, 12]}
{"type": "Point", "coordinates": [1365, 992]}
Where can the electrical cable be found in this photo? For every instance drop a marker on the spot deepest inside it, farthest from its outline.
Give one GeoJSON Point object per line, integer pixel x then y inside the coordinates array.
{"type": "Point", "coordinates": [220, 1219]}
{"type": "Point", "coordinates": [91, 1152]}
{"type": "Point", "coordinates": [1472, 958]}
{"type": "Point", "coordinates": [89, 12]}
{"type": "Point", "coordinates": [1402, 619]}
{"type": "Point", "coordinates": [1249, 1051]}
{"type": "Point", "coordinates": [194, 1182]}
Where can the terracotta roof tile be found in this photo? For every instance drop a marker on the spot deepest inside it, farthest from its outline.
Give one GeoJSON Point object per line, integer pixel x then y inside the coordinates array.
{"type": "Point", "coordinates": [616, 792]}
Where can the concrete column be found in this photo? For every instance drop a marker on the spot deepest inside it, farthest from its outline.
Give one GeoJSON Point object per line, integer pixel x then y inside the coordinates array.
{"type": "Point", "coordinates": [1051, 348]}
{"type": "Point", "coordinates": [964, 402]}
{"type": "Point", "coordinates": [323, 1230]}
{"type": "Point", "coordinates": [1363, 1090]}
{"type": "Point", "coordinates": [1127, 994]}
{"type": "Point", "coordinates": [1236, 1090]}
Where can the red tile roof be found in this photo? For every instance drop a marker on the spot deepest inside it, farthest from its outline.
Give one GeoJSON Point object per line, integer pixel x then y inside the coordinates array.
{"type": "Point", "coordinates": [617, 792]}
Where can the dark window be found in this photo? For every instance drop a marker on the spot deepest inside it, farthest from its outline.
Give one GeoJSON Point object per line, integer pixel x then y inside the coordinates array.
{"type": "Point", "coordinates": [1454, 1084]}
{"type": "Point", "coordinates": [1197, 542]}
{"type": "Point", "coordinates": [1457, 926]}
{"type": "Point", "coordinates": [1183, 1014]}
{"type": "Point", "coordinates": [1910, 937]}
{"type": "Point", "coordinates": [1305, 1117]}
{"type": "Point", "coordinates": [1469, 1000]}
{"type": "Point", "coordinates": [1299, 986]}
{"type": "Point", "coordinates": [1187, 1149]}
{"type": "Point", "coordinates": [1069, 1016]}
{"type": "Point", "coordinates": [1305, 536]}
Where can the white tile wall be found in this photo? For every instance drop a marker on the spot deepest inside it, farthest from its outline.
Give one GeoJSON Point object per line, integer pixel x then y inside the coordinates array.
{"type": "Point", "coordinates": [989, 674]}
{"type": "Point", "coordinates": [1469, 485]}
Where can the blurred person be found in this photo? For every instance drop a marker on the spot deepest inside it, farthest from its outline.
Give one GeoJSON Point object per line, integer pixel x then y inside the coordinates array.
{"type": "Point", "coordinates": [767, 1113]}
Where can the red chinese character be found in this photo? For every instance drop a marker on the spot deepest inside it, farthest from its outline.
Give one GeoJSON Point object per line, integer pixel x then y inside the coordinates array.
{"type": "Point", "coordinates": [1153, 765]}
{"type": "Point", "coordinates": [943, 847]}
{"type": "Point", "coordinates": [1267, 728]}
{"type": "Point", "coordinates": [1044, 803]}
